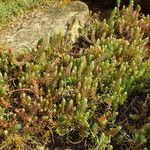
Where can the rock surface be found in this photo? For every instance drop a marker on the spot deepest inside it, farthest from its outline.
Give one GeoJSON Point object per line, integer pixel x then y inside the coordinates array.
{"type": "Point", "coordinates": [29, 28]}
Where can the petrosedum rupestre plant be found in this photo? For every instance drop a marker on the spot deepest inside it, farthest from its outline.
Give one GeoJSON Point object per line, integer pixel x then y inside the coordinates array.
{"type": "Point", "coordinates": [73, 89]}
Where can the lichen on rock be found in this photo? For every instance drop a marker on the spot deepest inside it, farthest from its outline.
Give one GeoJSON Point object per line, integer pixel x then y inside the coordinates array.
{"type": "Point", "coordinates": [29, 28]}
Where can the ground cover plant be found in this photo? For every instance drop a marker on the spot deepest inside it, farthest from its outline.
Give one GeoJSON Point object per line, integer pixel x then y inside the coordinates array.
{"type": "Point", "coordinates": [10, 9]}
{"type": "Point", "coordinates": [78, 93]}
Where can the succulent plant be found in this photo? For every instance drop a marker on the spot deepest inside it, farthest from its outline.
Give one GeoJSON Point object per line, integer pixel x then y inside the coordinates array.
{"type": "Point", "coordinates": [80, 88]}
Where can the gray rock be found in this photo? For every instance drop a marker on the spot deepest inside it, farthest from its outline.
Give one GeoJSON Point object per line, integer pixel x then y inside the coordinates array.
{"type": "Point", "coordinates": [29, 28]}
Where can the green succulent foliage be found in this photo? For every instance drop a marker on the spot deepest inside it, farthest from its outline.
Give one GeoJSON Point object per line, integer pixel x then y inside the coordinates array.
{"type": "Point", "coordinates": [65, 88]}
